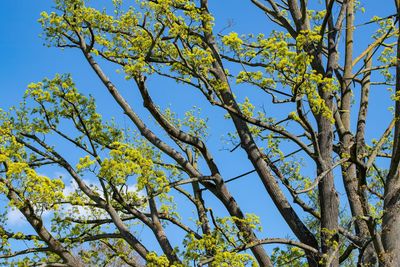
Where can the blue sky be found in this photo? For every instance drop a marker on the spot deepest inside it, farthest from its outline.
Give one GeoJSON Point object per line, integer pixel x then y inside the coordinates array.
{"type": "Point", "coordinates": [25, 59]}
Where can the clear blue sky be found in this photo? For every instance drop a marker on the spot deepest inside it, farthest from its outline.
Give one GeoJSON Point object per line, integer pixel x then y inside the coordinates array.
{"type": "Point", "coordinates": [25, 59]}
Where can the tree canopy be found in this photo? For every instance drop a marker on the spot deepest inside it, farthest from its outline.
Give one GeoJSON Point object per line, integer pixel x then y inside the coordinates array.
{"type": "Point", "coordinates": [298, 100]}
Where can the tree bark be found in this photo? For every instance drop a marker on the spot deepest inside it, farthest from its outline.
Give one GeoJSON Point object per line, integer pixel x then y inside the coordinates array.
{"type": "Point", "coordinates": [353, 183]}
{"type": "Point", "coordinates": [391, 217]}
{"type": "Point", "coordinates": [328, 197]}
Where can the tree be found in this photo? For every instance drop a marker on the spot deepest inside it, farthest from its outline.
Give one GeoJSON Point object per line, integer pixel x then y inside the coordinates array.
{"type": "Point", "coordinates": [301, 67]}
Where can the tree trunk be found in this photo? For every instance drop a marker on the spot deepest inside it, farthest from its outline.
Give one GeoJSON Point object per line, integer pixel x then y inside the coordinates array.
{"type": "Point", "coordinates": [353, 183]}
{"type": "Point", "coordinates": [328, 197]}
{"type": "Point", "coordinates": [391, 217]}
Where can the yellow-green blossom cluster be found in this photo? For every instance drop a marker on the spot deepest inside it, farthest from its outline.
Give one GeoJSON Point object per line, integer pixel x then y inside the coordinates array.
{"type": "Point", "coordinates": [153, 260]}
{"type": "Point", "coordinates": [125, 161]}
{"type": "Point", "coordinates": [38, 188]}
{"type": "Point", "coordinates": [152, 37]}
{"type": "Point", "coordinates": [215, 244]}
{"type": "Point", "coordinates": [59, 99]}
{"type": "Point", "coordinates": [198, 249]}
{"type": "Point", "coordinates": [284, 64]}
{"type": "Point", "coordinates": [232, 40]}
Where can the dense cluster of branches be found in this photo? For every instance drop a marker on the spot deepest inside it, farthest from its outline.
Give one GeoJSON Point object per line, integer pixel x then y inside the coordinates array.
{"type": "Point", "coordinates": [124, 182]}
